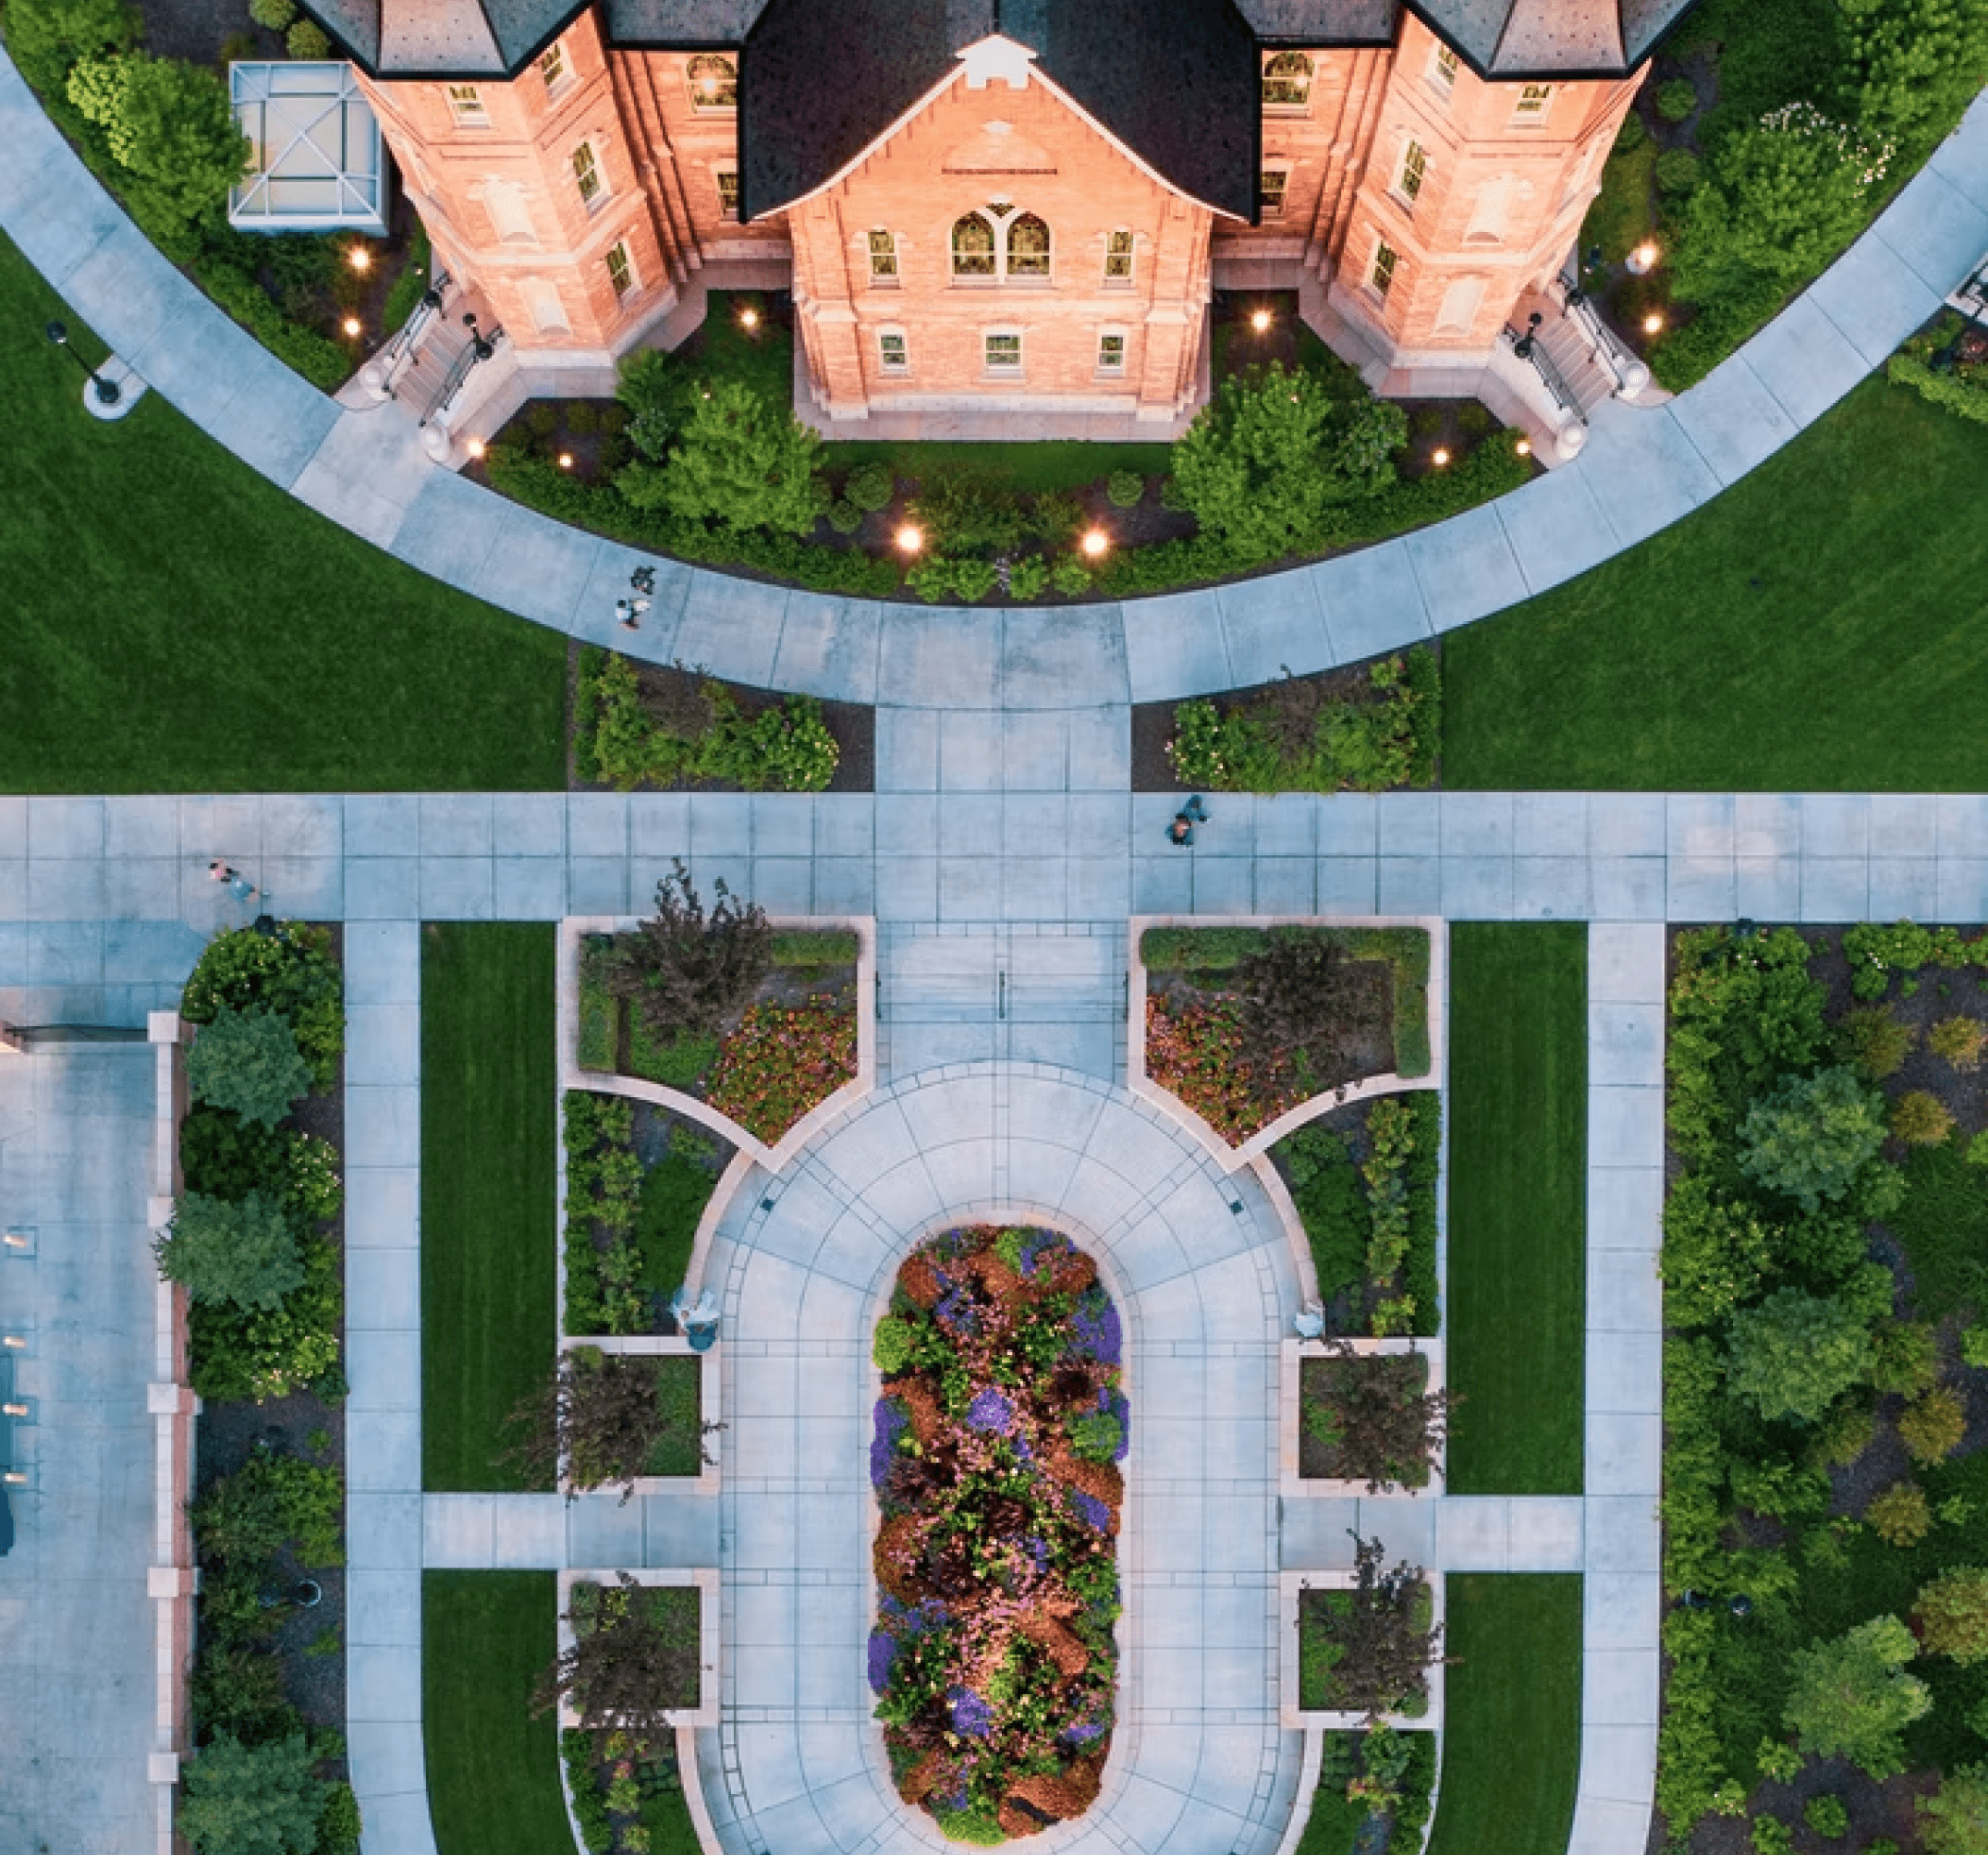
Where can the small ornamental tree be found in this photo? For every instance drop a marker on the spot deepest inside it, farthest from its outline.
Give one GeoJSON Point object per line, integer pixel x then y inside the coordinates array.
{"type": "Point", "coordinates": [1387, 1651]}
{"type": "Point", "coordinates": [686, 972]}
{"type": "Point", "coordinates": [1792, 1355]}
{"type": "Point", "coordinates": [238, 1800]}
{"type": "Point", "coordinates": [1953, 1614]}
{"type": "Point", "coordinates": [242, 1252]}
{"type": "Point", "coordinates": [1810, 1137]}
{"type": "Point", "coordinates": [1932, 1426]}
{"type": "Point", "coordinates": [741, 461]}
{"type": "Point", "coordinates": [1378, 1425]}
{"type": "Point", "coordinates": [247, 1061]}
{"type": "Point", "coordinates": [1851, 1697]}
{"type": "Point", "coordinates": [1954, 1820]}
{"type": "Point", "coordinates": [628, 1666]}
{"type": "Point", "coordinates": [595, 1421]}
{"type": "Point", "coordinates": [1299, 1006]}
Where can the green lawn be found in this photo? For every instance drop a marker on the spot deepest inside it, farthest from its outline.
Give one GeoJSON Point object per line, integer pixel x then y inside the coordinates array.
{"type": "Point", "coordinates": [1518, 1196]}
{"type": "Point", "coordinates": [1511, 1743]}
{"type": "Point", "coordinates": [492, 1769]}
{"type": "Point", "coordinates": [489, 1244]}
{"type": "Point", "coordinates": [1817, 628]}
{"type": "Point", "coordinates": [175, 623]}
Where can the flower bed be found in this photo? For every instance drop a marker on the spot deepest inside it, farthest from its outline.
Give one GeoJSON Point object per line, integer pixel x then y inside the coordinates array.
{"type": "Point", "coordinates": [1335, 1626]}
{"type": "Point", "coordinates": [627, 1794]}
{"type": "Point", "coordinates": [995, 1469]}
{"type": "Point", "coordinates": [784, 1055]}
{"type": "Point", "coordinates": [1245, 1023]}
{"type": "Point", "coordinates": [1369, 1418]}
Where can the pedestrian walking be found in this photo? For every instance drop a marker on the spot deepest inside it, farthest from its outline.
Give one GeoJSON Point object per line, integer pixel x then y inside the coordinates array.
{"type": "Point", "coordinates": [1181, 831]}
{"type": "Point", "coordinates": [218, 871]}
{"type": "Point", "coordinates": [626, 613]}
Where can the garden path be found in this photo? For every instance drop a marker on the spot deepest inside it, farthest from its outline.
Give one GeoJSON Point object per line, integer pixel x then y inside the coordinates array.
{"type": "Point", "coordinates": [1643, 469]}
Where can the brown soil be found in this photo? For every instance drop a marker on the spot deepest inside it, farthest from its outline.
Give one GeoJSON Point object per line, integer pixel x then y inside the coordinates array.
{"type": "Point", "coordinates": [1370, 1040]}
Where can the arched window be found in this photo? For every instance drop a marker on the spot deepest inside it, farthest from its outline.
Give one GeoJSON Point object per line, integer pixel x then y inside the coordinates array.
{"type": "Point", "coordinates": [1028, 247]}
{"type": "Point", "coordinates": [1288, 81]}
{"type": "Point", "coordinates": [973, 247]}
{"type": "Point", "coordinates": [713, 82]}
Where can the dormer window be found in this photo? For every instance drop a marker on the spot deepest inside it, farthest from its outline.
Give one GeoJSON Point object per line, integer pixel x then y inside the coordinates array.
{"type": "Point", "coordinates": [1535, 100]}
{"type": "Point", "coordinates": [1442, 70]}
{"type": "Point", "coordinates": [713, 84]}
{"type": "Point", "coordinates": [1287, 82]}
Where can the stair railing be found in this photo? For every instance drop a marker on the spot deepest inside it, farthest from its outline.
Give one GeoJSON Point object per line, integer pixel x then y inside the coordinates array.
{"type": "Point", "coordinates": [1527, 348]}
{"type": "Point", "coordinates": [408, 340]}
{"type": "Point", "coordinates": [1611, 354]}
{"type": "Point", "coordinates": [480, 347]}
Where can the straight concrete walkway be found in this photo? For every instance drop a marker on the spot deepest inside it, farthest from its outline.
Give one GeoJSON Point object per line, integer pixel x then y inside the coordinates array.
{"type": "Point", "coordinates": [1642, 469]}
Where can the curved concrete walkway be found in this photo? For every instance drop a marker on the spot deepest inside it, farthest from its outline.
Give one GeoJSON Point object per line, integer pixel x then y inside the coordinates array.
{"type": "Point", "coordinates": [1642, 469]}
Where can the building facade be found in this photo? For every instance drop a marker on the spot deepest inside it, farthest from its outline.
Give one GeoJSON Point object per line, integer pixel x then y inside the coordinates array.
{"type": "Point", "coordinates": [1016, 205]}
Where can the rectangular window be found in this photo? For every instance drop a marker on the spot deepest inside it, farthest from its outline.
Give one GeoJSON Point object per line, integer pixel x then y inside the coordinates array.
{"type": "Point", "coordinates": [883, 257]}
{"type": "Point", "coordinates": [466, 103]}
{"type": "Point", "coordinates": [1118, 258]}
{"type": "Point", "coordinates": [728, 179]}
{"type": "Point", "coordinates": [620, 272]}
{"type": "Point", "coordinates": [552, 66]}
{"type": "Point", "coordinates": [1381, 276]}
{"type": "Point", "coordinates": [1533, 101]}
{"type": "Point", "coordinates": [1442, 70]}
{"type": "Point", "coordinates": [893, 356]}
{"type": "Point", "coordinates": [586, 174]}
{"type": "Point", "coordinates": [1270, 189]}
{"type": "Point", "coordinates": [1414, 171]}
{"type": "Point", "coordinates": [1110, 354]}
{"type": "Point", "coordinates": [1003, 353]}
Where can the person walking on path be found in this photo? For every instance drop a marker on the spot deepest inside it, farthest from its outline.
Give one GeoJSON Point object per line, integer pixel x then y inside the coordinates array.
{"type": "Point", "coordinates": [238, 885]}
{"type": "Point", "coordinates": [1181, 831]}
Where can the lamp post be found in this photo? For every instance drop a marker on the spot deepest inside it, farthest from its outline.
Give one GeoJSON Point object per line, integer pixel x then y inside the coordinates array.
{"type": "Point", "coordinates": [107, 391]}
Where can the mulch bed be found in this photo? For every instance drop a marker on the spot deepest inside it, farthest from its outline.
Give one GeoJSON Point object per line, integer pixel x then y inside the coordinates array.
{"type": "Point", "coordinates": [1368, 1048]}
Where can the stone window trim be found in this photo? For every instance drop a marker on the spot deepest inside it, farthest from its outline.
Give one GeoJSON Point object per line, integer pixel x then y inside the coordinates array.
{"type": "Point", "coordinates": [883, 257]}
{"type": "Point", "coordinates": [1272, 189]}
{"type": "Point", "coordinates": [1002, 353]}
{"type": "Point", "coordinates": [712, 81]}
{"type": "Point", "coordinates": [1444, 66]}
{"type": "Point", "coordinates": [1113, 345]}
{"type": "Point", "coordinates": [1002, 243]}
{"type": "Point", "coordinates": [894, 352]}
{"type": "Point", "coordinates": [553, 70]}
{"type": "Point", "coordinates": [1121, 256]}
{"type": "Point", "coordinates": [1532, 105]}
{"type": "Point", "coordinates": [1381, 270]}
{"type": "Point", "coordinates": [725, 179]}
{"type": "Point", "coordinates": [467, 106]}
{"type": "Point", "coordinates": [1288, 84]}
{"type": "Point", "coordinates": [589, 175]}
{"type": "Point", "coordinates": [1411, 172]}
{"type": "Point", "coordinates": [621, 270]}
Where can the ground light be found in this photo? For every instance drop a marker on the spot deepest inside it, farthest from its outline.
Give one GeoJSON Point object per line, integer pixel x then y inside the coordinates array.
{"type": "Point", "coordinates": [1439, 457]}
{"type": "Point", "coordinates": [1096, 542]}
{"type": "Point", "coordinates": [474, 447]}
{"type": "Point", "coordinates": [359, 258]}
{"type": "Point", "coordinates": [1643, 258]}
{"type": "Point", "coordinates": [1652, 322]}
{"type": "Point", "coordinates": [1260, 321]}
{"type": "Point", "coordinates": [749, 318]}
{"type": "Point", "coordinates": [352, 326]}
{"type": "Point", "coordinates": [910, 539]}
{"type": "Point", "coordinates": [565, 461]}
{"type": "Point", "coordinates": [1524, 448]}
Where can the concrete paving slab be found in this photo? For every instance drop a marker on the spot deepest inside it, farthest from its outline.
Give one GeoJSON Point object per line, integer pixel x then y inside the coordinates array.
{"type": "Point", "coordinates": [1058, 657]}
{"type": "Point", "coordinates": [1644, 472]}
{"type": "Point", "coordinates": [1733, 420]}
{"type": "Point", "coordinates": [1465, 568]}
{"type": "Point", "coordinates": [1371, 601]}
{"type": "Point", "coordinates": [732, 628]}
{"type": "Point", "coordinates": [1557, 528]}
{"type": "Point", "coordinates": [1875, 299]}
{"type": "Point", "coordinates": [1174, 647]}
{"type": "Point", "coordinates": [939, 657]}
{"type": "Point", "coordinates": [833, 653]}
{"type": "Point", "coordinates": [1804, 360]}
{"type": "Point", "coordinates": [1274, 626]}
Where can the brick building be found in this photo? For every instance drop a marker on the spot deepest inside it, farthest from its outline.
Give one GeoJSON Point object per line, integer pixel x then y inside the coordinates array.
{"type": "Point", "coordinates": [1018, 206]}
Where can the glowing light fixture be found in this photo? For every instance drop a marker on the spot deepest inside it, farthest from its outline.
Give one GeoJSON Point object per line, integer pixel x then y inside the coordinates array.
{"type": "Point", "coordinates": [1096, 542]}
{"type": "Point", "coordinates": [911, 537]}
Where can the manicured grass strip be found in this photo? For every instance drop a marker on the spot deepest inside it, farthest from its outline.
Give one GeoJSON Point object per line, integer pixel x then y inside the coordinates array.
{"type": "Point", "coordinates": [175, 623]}
{"type": "Point", "coordinates": [1518, 1200]}
{"type": "Point", "coordinates": [492, 1769]}
{"type": "Point", "coordinates": [1511, 1714]}
{"type": "Point", "coordinates": [489, 1098]}
{"type": "Point", "coordinates": [1812, 629]}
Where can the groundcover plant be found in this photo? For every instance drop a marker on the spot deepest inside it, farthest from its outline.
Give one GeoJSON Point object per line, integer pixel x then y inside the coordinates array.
{"type": "Point", "coordinates": [994, 1462]}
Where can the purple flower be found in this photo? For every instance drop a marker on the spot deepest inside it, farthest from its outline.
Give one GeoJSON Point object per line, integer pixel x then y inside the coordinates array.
{"type": "Point", "coordinates": [1095, 1323]}
{"type": "Point", "coordinates": [1043, 1245]}
{"type": "Point", "coordinates": [892, 1421]}
{"type": "Point", "coordinates": [972, 1717]}
{"type": "Point", "coordinates": [991, 1411]}
{"type": "Point", "coordinates": [1092, 1511]}
{"type": "Point", "coordinates": [956, 1312]}
{"type": "Point", "coordinates": [1037, 1548]}
{"type": "Point", "coordinates": [1114, 1403]}
{"type": "Point", "coordinates": [1083, 1733]}
{"type": "Point", "coordinates": [882, 1654]}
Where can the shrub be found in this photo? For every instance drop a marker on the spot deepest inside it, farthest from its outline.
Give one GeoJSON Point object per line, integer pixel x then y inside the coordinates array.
{"type": "Point", "coordinates": [238, 1800]}
{"type": "Point", "coordinates": [1953, 1614]}
{"type": "Point", "coordinates": [1954, 1820]}
{"type": "Point", "coordinates": [844, 516]}
{"type": "Point", "coordinates": [339, 1826]}
{"type": "Point", "coordinates": [1809, 1138]}
{"type": "Point", "coordinates": [892, 1348]}
{"type": "Point", "coordinates": [1772, 1836]}
{"type": "Point", "coordinates": [1267, 460]}
{"type": "Point", "coordinates": [598, 1420]}
{"type": "Point", "coordinates": [244, 1252]}
{"type": "Point", "coordinates": [1904, 1357]}
{"type": "Point", "coordinates": [46, 37]}
{"type": "Point", "coordinates": [1675, 99]}
{"type": "Point", "coordinates": [307, 39]}
{"type": "Point", "coordinates": [974, 580]}
{"type": "Point", "coordinates": [1847, 1432]}
{"type": "Point", "coordinates": [1875, 1040]}
{"type": "Point", "coordinates": [870, 487]}
{"type": "Point", "coordinates": [1918, 1118]}
{"type": "Point", "coordinates": [224, 1156]}
{"type": "Point", "coordinates": [291, 971]}
{"type": "Point", "coordinates": [320, 359]}
{"type": "Point", "coordinates": [238, 1688]}
{"type": "Point", "coordinates": [1126, 489]}
{"type": "Point", "coordinates": [1794, 1354]}
{"type": "Point", "coordinates": [1070, 577]}
{"type": "Point", "coordinates": [1027, 578]}
{"type": "Point", "coordinates": [247, 1061]}
{"type": "Point", "coordinates": [742, 462]}
{"type": "Point", "coordinates": [1960, 391]}
{"type": "Point", "coordinates": [1850, 1697]}
{"type": "Point", "coordinates": [961, 512]}
{"type": "Point", "coordinates": [1932, 1426]}
{"type": "Point", "coordinates": [1958, 1040]}
{"type": "Point", "coordinates": [1914, 64]}
{"type": "Point", "coordinates": [1632, 134]}
{"type": "Point", "coordinates": [1676, 172]}
{"type": "Point", "coordinates": [1974, 1344]}
{"type": "Point", "coordinates": [275, 15]}
{"type": "Point", "coordinates": [1900, 1515]}
{"type": "Point", "coordinates": [244, 1353]}
{"type": "Point", "coordinates": [1826, 1815]}
{"type": "Point", "coordinates": [1716, 1253]}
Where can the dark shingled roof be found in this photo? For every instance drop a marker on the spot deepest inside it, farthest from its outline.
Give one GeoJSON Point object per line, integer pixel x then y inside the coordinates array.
{"type": "Point", "coordinates": [1514, 39]}
{"type": "Point", "coordinates": [682, 25]}
{"type": "Point", "coordinates": [1324, 22]}
{"type": "Point", "coordinates": [466, 39]}
{"type": "Point", "coordinates": [1176, 80]}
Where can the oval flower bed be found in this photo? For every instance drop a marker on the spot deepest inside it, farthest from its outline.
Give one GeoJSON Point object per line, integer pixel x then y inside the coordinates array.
{"type": "Point", "coordinates": [994, 1466]}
